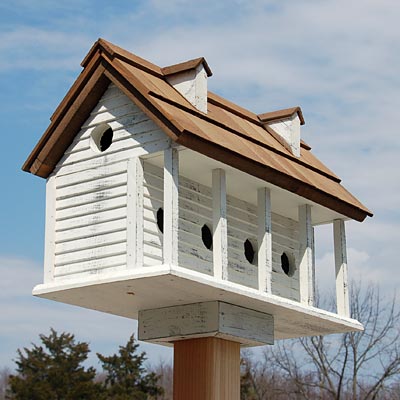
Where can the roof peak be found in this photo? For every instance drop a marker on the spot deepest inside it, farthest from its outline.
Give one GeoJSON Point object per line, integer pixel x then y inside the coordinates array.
{"type": "Point", "coordinates": [187, 65]}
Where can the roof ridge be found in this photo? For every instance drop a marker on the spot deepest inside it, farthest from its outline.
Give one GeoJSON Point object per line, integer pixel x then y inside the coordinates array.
{"type": "Point", "coordinates": [115, 51]}
{"type": "Point", "coordinates": [284, 113]}
{"type": "Point", "coordinates": [186, 65]}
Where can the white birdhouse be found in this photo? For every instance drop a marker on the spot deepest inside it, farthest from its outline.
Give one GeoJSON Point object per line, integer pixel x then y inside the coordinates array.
{"type": "Point", "coordinates": [169, 204]}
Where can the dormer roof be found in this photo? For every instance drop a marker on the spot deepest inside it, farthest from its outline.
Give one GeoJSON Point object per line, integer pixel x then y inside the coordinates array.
{"type": "Point", "coordinates": [227, 133]}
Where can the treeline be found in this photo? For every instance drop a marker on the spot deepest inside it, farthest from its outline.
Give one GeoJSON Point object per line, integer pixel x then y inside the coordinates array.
{"type": "Point", "coordinates": [357, 365]}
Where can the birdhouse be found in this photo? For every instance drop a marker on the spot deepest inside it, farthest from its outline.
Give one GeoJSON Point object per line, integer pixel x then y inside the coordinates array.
{"type": "Point", "coordinates": [169, 204]}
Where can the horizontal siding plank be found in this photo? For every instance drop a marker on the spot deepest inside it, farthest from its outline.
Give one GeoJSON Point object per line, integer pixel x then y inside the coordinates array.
{"type": "Point", "coordinates": [93, 265]}
{"type": "Point", "coordinates": [91, 174]}
{"type": "Point", "coordinates": [88, 231]}
{"type": "Point", "coordinates": [90, 254]}
{"type": "Point", "coordinates": [90, 242]}
{"type": "Point", "coordinates": [136, 132]}
{"type": "Point", "coordinates": [125, 143]}
{"type": "Point", "coordinates": [91, 186]}
{"type": "Point", "coordinates": [92, 197]}
{"type": "Point", "coordinates": [112, 157]}
{"type": "Point", "coordinates": [91, 219]}
{"type": "Point", "coordinates": [91, 208]}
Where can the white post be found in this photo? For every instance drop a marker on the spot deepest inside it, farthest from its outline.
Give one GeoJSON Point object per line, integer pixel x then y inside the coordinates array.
{"type": "Point", "coordinates": [220, 229]}
{"type": "Point", "coordinates": [342, 293]}
{"type": "Point", "coordinates": [134, 213]}
{"type": "Point", "coordinates": [264, 240]}
{"type": "Point", "coordinates": [306, 255]}
{"type": "Point", "coordinates": [50, 229]}
{"type": "Point", "coordinates": [171, 207]}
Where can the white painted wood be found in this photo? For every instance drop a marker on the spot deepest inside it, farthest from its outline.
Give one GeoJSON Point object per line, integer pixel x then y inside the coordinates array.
{"type": "Point", "coordinates": [171, 206]}
{"type": "Point", "coordinates": [213, 318]}
{"type": "Point", "coordinates": [192, 84]}
{"type": "Point", "coordinates": [91, 242]}
{"type": "Point", "coordinates": [95, 195]}
{"type": "Point", "coordinates": [49, 249]}
{"type": "Point", "coordinates": [195, 210]}
{"type": "Point", "coordinates": [220, 231]}
{"type": "Point", "coordinates": [93, 266]}
{"type": "Point", "coordinates": [306, 255]}
{"type": "Point", "coordinates": [289, 130]}
{"type": "Point", "coordinates": [126, 292]}
{"type": "Point", "coordinates": [342, 290]}
{"type": "Point", "coordinates": [264, 240]}
{"type": "Point", "coordinates": [135, 213]}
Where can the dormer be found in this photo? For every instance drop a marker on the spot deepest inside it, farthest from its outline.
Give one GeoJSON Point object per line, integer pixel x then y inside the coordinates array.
{"type": "Point", "coordinates": [286, 123]}
{"type": "Point", "coordinates": [190, 80]}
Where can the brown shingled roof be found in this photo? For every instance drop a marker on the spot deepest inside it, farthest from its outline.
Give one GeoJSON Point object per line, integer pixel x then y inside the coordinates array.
{"type": "Point", "coordinates": [227, 133]}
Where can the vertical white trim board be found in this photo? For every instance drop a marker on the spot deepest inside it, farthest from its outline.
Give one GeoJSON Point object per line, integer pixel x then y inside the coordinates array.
{"type": "Point", "coordinates": [306, 255]}
{"type": "Point", "coordinates": [264, 240]}
{"type": "Point", "coordinates": [171, 207]}
{"type": "Point", "coordinates": [220, 228]}
{"type": "Point", "coordinates": [50, 229]}
{"type": "Point", "coordinates": [134, 234]}
{"type": "Point", "coordinates": [342, 290]}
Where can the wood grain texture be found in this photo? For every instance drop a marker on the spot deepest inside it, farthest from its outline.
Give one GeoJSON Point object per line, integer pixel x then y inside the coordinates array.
{"type": "Point", "coordinates": [206, 319]}
{"type": "Point", "coordinates": [306, 255]}
{"type": "Point", "coordinates": [171, 206]}
{"type": "Point", "coordinates": [342, 290]}
{"type": "Point", "coordinates": [195, 210]}
{"type": "Point", "coordinates": [50, 244]}
{"type": "Point", "coordinates": [264, 240]}
{"type": "Point", "coordinates": [220, 229]}
{"type": "Point", "coordinates": [206, 369]}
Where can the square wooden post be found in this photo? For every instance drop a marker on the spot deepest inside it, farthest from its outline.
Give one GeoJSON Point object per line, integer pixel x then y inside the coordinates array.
{"type": "Point", "coordinates": [342, 292]}
{"type": "Point", "coordinates": [206, 369]}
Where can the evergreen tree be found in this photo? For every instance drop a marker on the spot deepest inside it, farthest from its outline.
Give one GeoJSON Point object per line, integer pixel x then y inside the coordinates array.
{"type": "Point", "coordinates": [54, 371]}
{"type": "Point", "coordinates": [127, 378]}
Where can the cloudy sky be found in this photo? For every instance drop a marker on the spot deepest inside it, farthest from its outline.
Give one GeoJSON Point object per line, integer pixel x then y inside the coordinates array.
{"type": "Point", "coordinates": [339, 60]}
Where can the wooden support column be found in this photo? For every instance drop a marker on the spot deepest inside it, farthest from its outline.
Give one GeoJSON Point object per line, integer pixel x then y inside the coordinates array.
{"type": "Point", "coordinates": [134, 213]}
{"type": "Point", "coordinates": [50, 229]}
{"type": "Point", "coordinates": [220, 229]}
{"type": "Point", "coordinates": [206, 369]}
{"type": "Point", "coordinates": [264, 240]}
{"type": "Point", "coordinates": [306, 269]}
{"type": "Point", "coordinates": [342, 292]}
{"type": "Point", "coordinates": [171, 207]}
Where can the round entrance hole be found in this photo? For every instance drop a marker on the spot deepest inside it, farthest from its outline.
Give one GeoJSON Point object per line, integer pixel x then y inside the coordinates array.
{"type": "Point", "coordinates": [160, 219]}
{"type": "Point", "coordinates": [206, 236]}
{"type": "Point", "coordinates": [101, 138]}
{"type": "Point", "coordinates": [249, 252]}
{"type": "Point", "coordinates": [288, 263]}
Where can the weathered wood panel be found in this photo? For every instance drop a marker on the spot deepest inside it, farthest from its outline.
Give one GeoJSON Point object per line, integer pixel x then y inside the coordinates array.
{"type": "Point", "coordinates": [211, 318]}
{"type": "Point", "coordinates": [92, 199]}
{"type": "Point", "coordinates": [195, 210]}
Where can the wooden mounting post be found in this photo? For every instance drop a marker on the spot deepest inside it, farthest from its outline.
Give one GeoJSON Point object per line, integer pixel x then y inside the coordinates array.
{"type": "Point", "coordinates": [206, 369]}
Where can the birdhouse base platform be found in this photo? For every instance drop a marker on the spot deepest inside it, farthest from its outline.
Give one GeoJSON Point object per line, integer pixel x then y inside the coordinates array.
{"type": "Point", "coordinates": [128, 292]}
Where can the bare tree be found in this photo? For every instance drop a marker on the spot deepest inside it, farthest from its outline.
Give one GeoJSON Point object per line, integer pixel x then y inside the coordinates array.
{"type": "Point", "coordinates": [355, 365]}
{"type": "Point", "coordinates": [164, 371]}
{"type": "Point", "coordinates": [4, 376]}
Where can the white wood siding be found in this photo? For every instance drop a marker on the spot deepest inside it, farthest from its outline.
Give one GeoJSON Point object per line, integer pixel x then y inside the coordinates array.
{"type": "Point", "coordinates": [91, 188]}
{"type": "Point", "coordinates": [195, 210]}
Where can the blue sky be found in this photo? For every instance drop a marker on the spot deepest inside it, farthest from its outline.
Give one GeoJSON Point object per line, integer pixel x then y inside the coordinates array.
{"type": "Point", "coordinates": [337, 59]}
